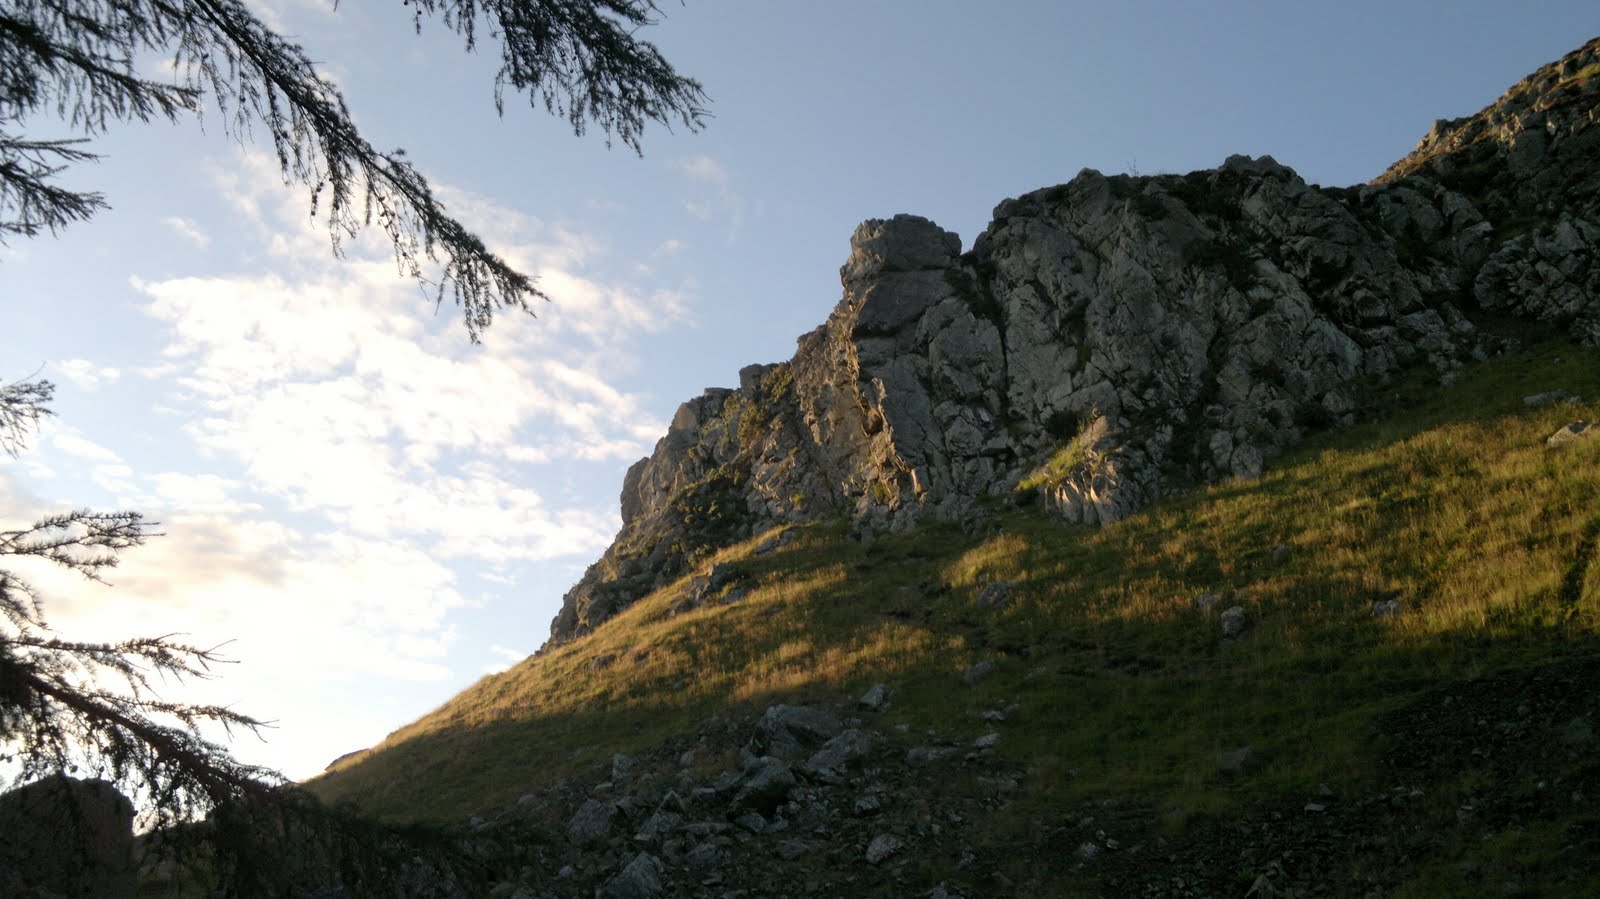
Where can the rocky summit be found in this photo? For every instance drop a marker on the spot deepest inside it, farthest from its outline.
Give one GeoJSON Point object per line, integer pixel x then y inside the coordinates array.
{"type": "Point", "coordinates": [1117, 339]}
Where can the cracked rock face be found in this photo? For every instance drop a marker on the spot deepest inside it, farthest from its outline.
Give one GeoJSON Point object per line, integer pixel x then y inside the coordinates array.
{"type": "Point", "coordinates": [1117, 339]}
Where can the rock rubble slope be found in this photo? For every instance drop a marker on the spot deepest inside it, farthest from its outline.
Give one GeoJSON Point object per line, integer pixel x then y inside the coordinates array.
{"type": "Point", "coordinates": [1117, 339]}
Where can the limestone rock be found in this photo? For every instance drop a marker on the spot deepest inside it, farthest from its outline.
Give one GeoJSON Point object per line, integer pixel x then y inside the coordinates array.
{"type": "Point", "coordinates": [1237, 761]}
{"type": "Point", "coordinates": [977, 671]}
{"type": "Point", "coordinates": [766, 786]}
{"type": "Point", "coordinates": [591, 824]}
{"type": "Point", "coordinates": [1550, 398]}
{"type": "Point", "coordinates": [876, 699]}
{"type": "Point", "coordinates": [837, 755]}
{"type": "Point", "coordinates": [1234, 622]}
{"type": "Point", "coordinates": [792, 731]}
{"type": "Point", "coordinates": [883, 846]}
{"type": "Point", "coordinates": [994, 595]}
{"type": "Point", "coordinates": [640, 879]}
{"type": "Point", "coordinates": [1572, 433]}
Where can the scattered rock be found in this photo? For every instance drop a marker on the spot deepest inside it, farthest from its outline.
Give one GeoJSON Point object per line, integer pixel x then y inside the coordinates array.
{"type": "Point", "coordinates": [995, 595]}
{"type": "Point", "coordinates": [592, 823]}
{"type": "Point", "coordinates": [1088, 851]}
{"type": "Point", "coordinates": [1206, 600]}
{"type": "Point", "coordinates": [838, 754]}
{"type": "Point", "coordinates": [791, 731]}
{"type": "Point", "coordinates": [1385, 608]}
{"type": "Point", "coordinates": [1550, 398]}
{"type": "Point", "coordinates": [927, 755]}
{"type": "Point", "coordinates": [876, 699]}
{"type": "Point", "coordinates": [658, 826]}
{"type": "Point", "coordinates": [1577, 732]}
{"type": "Point", "coordinates": [776, 541]}
{"type": "Point", "coordinates": [641, 879]}
{"type": "Point", "coordinates": [766, 786]}
{"type": "Point", "coordinates": [883, 846]}
{"type": "Point", "coordinates": [977, 672]}
{"type": "Point", "coordinates": [621, 767]}
{"type": "Point", "coordinates": [987, 741]}
{"type": "Point", "coordinates": [1237, 761]}
{"type": "Point", "coordinates": [1234, 622]}
{"type": "Point", "coordinates": [788, 850]}
{"type": "Point", "coordinates": [1572, 433]}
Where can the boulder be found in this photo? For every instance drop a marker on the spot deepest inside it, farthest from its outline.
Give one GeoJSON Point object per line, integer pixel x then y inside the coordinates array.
{"type": "Point", "coordinates": [1234, 622]}
{"type": "Point", "coordinates": [766, 786]}
{"type": "Point", "coordinates": [977, 671]}
{"type": "Point", "coordinates": [1575, 432]}
{"type": "Point", "coordinates": [792, 731]}
{"type": "Point", "coordinates": [591, 824]}
{"type": "Point", "coordinates": [61, 836]}
{"type": "Point", "coordinates": [882, 846]}
{"type": "Point", "coordinates": [876, 699]}
{"type": "Point", "coordinates": [1237, 761]}
{"type": "Point", "coordinates": [837, 755]}
{"type": "Point", "coordinates": [639, 879]}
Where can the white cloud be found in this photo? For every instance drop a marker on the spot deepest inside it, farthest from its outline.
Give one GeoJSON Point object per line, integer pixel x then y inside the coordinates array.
{"type": "Point", "coordinates": [83, 373]}
{"type": "Point", "coordinates": [702, 168]}
{"type": "Point", "coordinates": [507, 657]}
{"type": "Point", "coordinates": [723, 203]}
{"type": "Point", "coordinates": [359, 458]}
{"type": "Point", "coordinates": [68, 441]}
{"type": "Point", "coordinates": [188, 230]}
{"type": "Point", "coordinates": [115, 479]}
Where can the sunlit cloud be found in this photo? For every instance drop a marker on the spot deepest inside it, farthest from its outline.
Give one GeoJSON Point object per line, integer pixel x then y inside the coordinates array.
{"type": "Point", "coordinates": [301, 612]}
{"type": "Point", "coordinates": [349, 458]}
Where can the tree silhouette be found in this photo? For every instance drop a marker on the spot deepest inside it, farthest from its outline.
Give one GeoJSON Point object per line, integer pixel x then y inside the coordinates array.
{"type": "Point", "coordinates": [86, 707]}
{"type": "Point", "coordinates": [80, 59]}
{"type": "Point", "coordinates": [89, 709]}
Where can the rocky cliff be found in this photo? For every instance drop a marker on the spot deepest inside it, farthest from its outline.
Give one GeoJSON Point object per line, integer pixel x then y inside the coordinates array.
{"type": "Point", "coordinates": [1116, 339]}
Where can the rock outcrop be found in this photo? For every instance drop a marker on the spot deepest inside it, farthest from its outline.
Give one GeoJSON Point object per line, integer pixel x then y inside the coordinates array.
{"type": "Point", "coordinates": [1116, 339]}
{"type": "Point", "coordinates": [67, 837]}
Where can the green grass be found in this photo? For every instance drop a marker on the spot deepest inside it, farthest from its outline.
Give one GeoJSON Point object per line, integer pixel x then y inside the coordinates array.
{"type": "Point", "coordinates": [1447, 500]}
{"type": "Point", "coordinates": [1057, 468]}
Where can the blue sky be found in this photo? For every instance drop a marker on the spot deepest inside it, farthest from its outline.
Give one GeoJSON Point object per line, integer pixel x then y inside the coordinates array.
{"type": "Point", "coordinates": [376, 512]}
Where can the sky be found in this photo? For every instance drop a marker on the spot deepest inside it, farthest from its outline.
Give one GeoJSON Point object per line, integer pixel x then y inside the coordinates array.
{"type": "Point", "coordinates": [374, 511]}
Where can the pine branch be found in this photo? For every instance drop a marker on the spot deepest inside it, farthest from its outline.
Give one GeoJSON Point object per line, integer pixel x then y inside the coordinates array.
{"type": "Point", "coordinates": [580, 59]}
{"type": "Point", "coordinates": [22, 404]}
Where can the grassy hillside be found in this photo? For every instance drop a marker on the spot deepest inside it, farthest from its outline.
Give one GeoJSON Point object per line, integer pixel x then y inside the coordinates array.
{"type": "Point", "coordinates": [1117, 684]}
